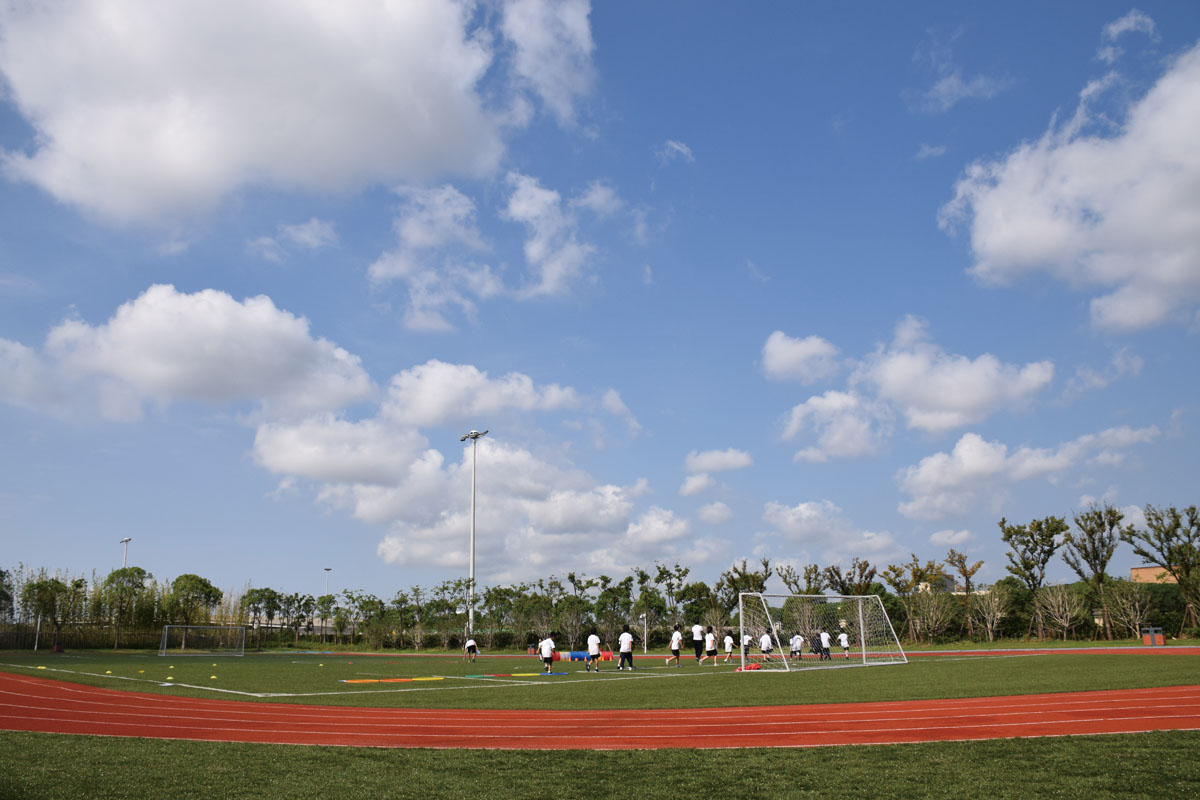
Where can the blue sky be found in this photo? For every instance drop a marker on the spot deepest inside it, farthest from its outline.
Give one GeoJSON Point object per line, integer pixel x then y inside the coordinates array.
{"type": "Point", "coordinates": [805, 283]}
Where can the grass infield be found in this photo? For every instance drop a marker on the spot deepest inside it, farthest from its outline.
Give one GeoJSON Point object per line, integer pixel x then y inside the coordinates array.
{"type": "Point", "coordinates": [1152, 765]}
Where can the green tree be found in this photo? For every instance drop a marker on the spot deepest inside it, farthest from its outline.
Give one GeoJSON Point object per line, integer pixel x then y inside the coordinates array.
{"type": "Point", "coordinates": [1089, 549]}
{"type": "Point", "coordinates": [324, 608]}
{"type": "Point", "coordinates": [808, 581]}
{"type": "Point", "coordinates": [1172, 541]}
{"type": "Point", "coordinates": [740, 578]}
{"type": "Point", "coordinates": [120, 591]}
{"type": "Point", "coordinates": [192, 598]}
{"type": "Point", "coordinates": [53, 599]}
{"type": "Point", "coordinates": [672, 580]}
{"type": "Point", "coordinates": [967, 571]}
{"type": "Point", "coordinates": [1033, 546]}
{"type": "Point", "coordinates": [6, 595]}
{"type": "Point", "coordinates": [908, 579]}
{"type": "Point", "coordinates": [854, 581]}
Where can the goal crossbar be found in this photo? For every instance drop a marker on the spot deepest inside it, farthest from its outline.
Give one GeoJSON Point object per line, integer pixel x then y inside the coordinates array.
{"type": "Point", "coordinates": [785, 632]}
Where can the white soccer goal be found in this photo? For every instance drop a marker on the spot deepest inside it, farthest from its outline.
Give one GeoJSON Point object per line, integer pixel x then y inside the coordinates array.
{"type": "Point", "coordinates": [203, 640]}
{"type": "Point", "coordinates": [780, 617]}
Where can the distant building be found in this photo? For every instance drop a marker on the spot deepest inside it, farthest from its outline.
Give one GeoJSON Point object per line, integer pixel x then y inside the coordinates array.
{"type": "Point", "coordinates": [1150, 575]}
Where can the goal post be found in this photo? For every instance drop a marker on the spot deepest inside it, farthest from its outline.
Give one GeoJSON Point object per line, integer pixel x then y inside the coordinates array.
{"type": "Point", "coordinates": [203, 640]}
{"type": "Point", "coordinates": [857, 631]}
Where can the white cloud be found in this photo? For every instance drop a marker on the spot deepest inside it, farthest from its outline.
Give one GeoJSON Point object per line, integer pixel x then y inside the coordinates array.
{"type": "Point", "coordinates": [165, 347]}
{"type": "Point", "coordinates": [695, 484]}
{"type": "Point", "coordinates": [153, 111]}
{"type": "Point", "coordinates": [808, 360]}
{"type": "Point", "coordinates": [715, 513]}
{"type": "Point", "coordinates": [437, 393]}
{"type": "Point", "coordinates": [847, 426]}
{"type": "Point", "coordinates": [927, 151]}
{"type": "Point", "coordinates": [600, 197]}
{"type": "Point", "coordinates": [437, 235]}
{"type": "Point", "coordinates": [1114, 213]}
{"type": "Point", "coordinates": [311, 235]}
{"type": "Point", "coordinates": [673, 150]}
{"type": "Point", "coordinates": [937, 391]}
{"type": "Point", "coordinates": [717, 460]}
{"type": "Point", "coordinates": [952, 86]}
{"type": "Point", "coordinates": [1133, 22]}
{"type": "Point", "coordinates": [821, 525]}
{"type": "Point", "coordinates": [612, 403]}
{"type": "Point", "coordinates": [950, 538]}
{"type": "Point", "coordinates": [1124, 364]}
{"type": "Point", "coordinates": [553, 44]}
{"type": "Point", "coordinates": [554, 253]}
{"type": "Point", "coordinates": [948, 484]}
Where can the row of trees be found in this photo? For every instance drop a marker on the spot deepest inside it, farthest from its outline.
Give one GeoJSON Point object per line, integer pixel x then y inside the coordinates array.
{"type": "Point", "coordinates": [917, 594]}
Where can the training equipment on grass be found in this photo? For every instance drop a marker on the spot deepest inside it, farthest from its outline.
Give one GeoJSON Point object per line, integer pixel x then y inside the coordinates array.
{"type": "Point", "coordinates": [872, 640]}
{"type": "Point", "coordinates": [203, 640]}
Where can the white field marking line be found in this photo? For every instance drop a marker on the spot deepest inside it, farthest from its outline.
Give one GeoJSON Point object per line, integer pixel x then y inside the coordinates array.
{"type": "Point", "coordinates": [558, 734]}
{"type": "Point", "coordinates": [153, 681]}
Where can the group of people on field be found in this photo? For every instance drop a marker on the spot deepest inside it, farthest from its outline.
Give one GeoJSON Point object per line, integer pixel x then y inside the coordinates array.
{"type": "Point", "coordinates": [704, 644]}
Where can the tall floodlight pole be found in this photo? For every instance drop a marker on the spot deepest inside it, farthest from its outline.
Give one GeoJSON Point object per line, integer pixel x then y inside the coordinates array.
{"type": "Point", "coordinates": [327, 569]}
{"type": "Point", "coordinates": [645, 633]}
{"type": "Point", "coordinates": [474, 437]}
{"type": "Point", "coordinates": [125, 555]}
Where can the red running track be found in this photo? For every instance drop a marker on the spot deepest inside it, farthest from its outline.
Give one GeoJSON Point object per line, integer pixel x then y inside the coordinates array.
{"type": "Point", "coordinates": [36, 704]}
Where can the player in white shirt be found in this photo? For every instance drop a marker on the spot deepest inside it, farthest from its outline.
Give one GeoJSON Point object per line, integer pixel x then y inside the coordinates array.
{"type": "Point", "coordinates": [797, 646]}
{"type": "Point", "coordinates": [825, 647]}
{"type": "Point", "coordinates": [765, 644]}
{"type": "Point", "coordinates": [746, 640]}
{"type": "Point", "coordinates": [844, 641]}
{"type": "Point", "coordinates": [728, 646]}
{"type": "Point", "coordinates": [626, 647]}
{"type": "Point", "coordinates": [471, 650]}
{"type": "Point", "coordinates": [698, 641]}
{"type": "Point", "coordinates": [593, 657]}
{"type": "Point", "coordinates": [676, 643]}
{"type": "Point", "coordinates": [710, 646]}
{"type": "Point", "coordinates": [546, 648]}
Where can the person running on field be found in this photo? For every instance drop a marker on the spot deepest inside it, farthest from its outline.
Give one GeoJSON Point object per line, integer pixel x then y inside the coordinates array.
{"type": "Point", "coordinates": [747, 639]}
{"type": "Point", "coordinates": [797, 646]}
{"type": "Point", "coordinates": [710, 646]}
{"type": "Point", "coordinates": [766, 645]}
{"type": "Point", "coordinates": [844, 641]}
{"type": "Point", "coordinates": [825, 656]}
{"type": "Point", "coordinates": [728, 646]}
{"type": "Point", "coordinates": [698, 641]}
{"type": "Point", "coordinates": [593, 653]}
{"type": "Point", "coordinates": [546, 648]}
{"type": "Point", "coordinates": [626, 645]}
{"type": "Point", "coordinates": [676, 643]}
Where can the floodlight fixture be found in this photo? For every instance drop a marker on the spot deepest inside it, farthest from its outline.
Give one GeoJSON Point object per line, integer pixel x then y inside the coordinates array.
{"type": "Point", "coordinates": [474, 437]}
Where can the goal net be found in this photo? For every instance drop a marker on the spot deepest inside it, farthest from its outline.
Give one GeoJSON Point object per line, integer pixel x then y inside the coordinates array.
{"type": "Point", "coordinates": [857, 631]}
{"type": "Point", "coordinates": [203, 640]}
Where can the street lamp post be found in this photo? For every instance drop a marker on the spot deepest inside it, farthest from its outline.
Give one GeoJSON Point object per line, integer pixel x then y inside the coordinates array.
{"type": "Point", "coordinates": [125, 555]}
{"type": "Point", "coordinates": [474, 437]}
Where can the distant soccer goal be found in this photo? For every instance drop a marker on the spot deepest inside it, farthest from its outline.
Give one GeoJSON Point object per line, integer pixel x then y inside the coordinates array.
{"type": "Point", "coordinates": [857, 631]}
{"type": "Point", "coordinates": [203, 640]}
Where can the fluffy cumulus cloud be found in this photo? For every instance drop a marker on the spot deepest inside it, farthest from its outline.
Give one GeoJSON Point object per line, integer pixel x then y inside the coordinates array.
{"type": "Point", "coordinates": [808, 360]}
{"type": "Point", "coordinates": [845, 424]}
{"type": "Point", "coordinates": [1113, 213]}
{"type": "Point", "coordinates": [700, 464]}
{"type": "Point", "coordinates": [950, 538]}
{"type": "Point", "coordinates": [824, 531]}
{"type": "Point", "coordinates": [910, 377]}
{"type": "Point", "coordinates": [937, 391]}
{"type": "Point", "coordinates": [715, 513]}
{"type": "Point", "coordinates": [949, 484]}
{"type": "Point", "coordinates": [147, 111]}
{"type": "Point", "coordinates": [556, 257]}
{"type": "Point", "coordinates": [165, 346]}
{"type": "Point", "coordinates": [438, 240]}
{"type": "Point", "coordinates": [437, 393]}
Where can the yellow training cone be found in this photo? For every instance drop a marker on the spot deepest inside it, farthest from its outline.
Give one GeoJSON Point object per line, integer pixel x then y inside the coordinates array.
{"type": "Point", "coordinates": [214, 677]}
{"type": "Point", "coordinates": [108, 672]}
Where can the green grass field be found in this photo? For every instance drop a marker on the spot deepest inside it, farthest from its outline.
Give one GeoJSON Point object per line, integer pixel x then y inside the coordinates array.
{"type": "Point", "coordinates": [1147, 765]}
